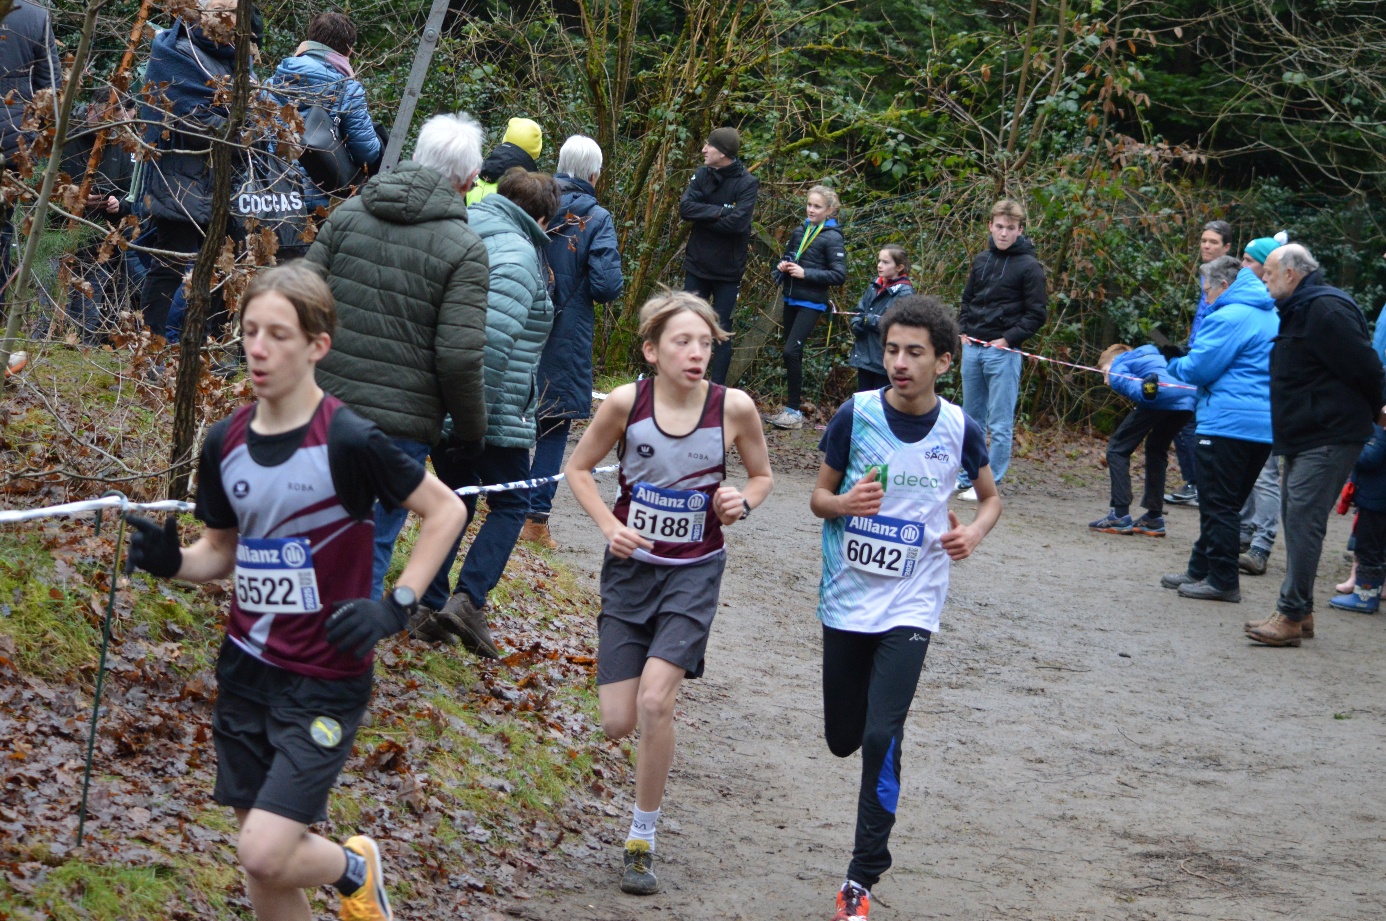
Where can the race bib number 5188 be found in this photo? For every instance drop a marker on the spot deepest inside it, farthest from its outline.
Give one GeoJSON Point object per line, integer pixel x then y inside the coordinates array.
{"type": "Point", "coordinates": [276, 576]}
{"type": "Point", "coordinates": [883, 546]}
{"type": "Point", "coordinates": [674, 516]}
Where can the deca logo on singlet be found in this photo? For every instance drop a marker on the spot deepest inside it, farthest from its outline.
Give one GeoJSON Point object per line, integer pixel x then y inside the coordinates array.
{"type": "Point", "coordinates": [909, 479]}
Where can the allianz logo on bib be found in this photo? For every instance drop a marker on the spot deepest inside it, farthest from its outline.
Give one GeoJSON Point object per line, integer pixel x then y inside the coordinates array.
{"type": "Point", "coordinates": [673, 500]}
{"type": "Point", "coordinates": [246, 554]}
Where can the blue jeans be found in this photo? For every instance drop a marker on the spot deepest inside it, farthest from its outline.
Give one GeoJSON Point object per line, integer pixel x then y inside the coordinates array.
{"type": "Point", "coordinates": [991, 385]}
{"type": "Point", "coordinates": [505, 517]}
{"type": "Point", "coordinates": [548, 460]}
{"type": "Point", "coordinates": [389, 524]}
{"type": "Point", "coordinates": [1261, 513]}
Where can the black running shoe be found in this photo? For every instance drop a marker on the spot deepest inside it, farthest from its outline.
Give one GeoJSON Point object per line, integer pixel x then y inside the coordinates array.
{"type": "Point", "coordinates": [639, 877]}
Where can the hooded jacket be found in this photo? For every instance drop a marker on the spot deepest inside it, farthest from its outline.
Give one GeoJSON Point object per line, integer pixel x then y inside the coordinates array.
{"type": "Point", "coordinates": [1370, 473]}
{"type": "Point", "coordinates": [309, 79]}
{"type": "Point", "coordinates": [177, 185]}
{"type": "Point", "coordinates": [586, 269]}
{"type": "Point", "coordinates": [1138, 363]}
{"type": "Point", "coordinates": [1325, 377]}
{"type": "Point", "coordinates": [410, 278]}
{"type": "Point", "coordinates": [824, 262]}
{"type": "Point", "coordinates": [519, 316]}
{"type": "Point", "coordinates": [1005, 294]}
{"type": "Point", "coordinates": [719, 203]}
{"type": "Point", "coordinates": [1230, 362]}
{"type": "Point", "coordinates": [505, 157]}
{"type": "Point", "coordinates": [868, 352]}
{"type": "Point", "coordinates": [28, 62]}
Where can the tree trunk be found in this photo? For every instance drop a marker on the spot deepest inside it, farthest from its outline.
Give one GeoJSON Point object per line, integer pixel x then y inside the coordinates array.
{"type": "Point", "coordinates": [199, 288]}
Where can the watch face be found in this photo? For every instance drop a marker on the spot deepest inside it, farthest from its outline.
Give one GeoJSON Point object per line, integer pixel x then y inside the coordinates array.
{"type": "Point", "coordinates": [404, 596]}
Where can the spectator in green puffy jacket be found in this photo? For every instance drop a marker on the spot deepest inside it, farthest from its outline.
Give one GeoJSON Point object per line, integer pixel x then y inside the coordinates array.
{"type": "Point", "coordinates": [410, 278]}
{"type": "Point", "coordinates": [519, 317]}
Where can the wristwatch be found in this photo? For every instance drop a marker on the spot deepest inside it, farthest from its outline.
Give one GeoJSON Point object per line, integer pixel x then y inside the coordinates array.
{"type": "Point", "coordinates": [404, 596]}
{"type": "Point", "coordinates": [745, 509]}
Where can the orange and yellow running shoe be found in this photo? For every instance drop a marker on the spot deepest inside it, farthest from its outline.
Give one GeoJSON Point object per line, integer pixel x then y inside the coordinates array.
{"type": "Point", "coordinates": [853, 903]}
{"type": "Point", "coordinates": [369, 903]}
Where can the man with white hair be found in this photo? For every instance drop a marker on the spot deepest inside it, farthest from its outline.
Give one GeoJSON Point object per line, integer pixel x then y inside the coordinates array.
{"type": "Point", "coordinates": [1326, 389]}
{"type": "Point", "coordinates": [586, 269]}
{"type": "Point", "coordinates": [411, 278]}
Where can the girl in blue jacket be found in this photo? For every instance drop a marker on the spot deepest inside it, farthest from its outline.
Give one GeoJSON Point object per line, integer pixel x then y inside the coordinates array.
{"type": "Point", "coordinates": [892, 282]}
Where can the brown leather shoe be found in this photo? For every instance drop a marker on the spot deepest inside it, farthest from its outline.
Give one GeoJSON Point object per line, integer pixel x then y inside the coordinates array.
{"type": "Point", "coordinates": [537, 532]}
{"type": "Point", "coordinates": [1306, 626]}
{"type": "Point", "coordinates": [424, 626]}
{"type": "Point", "coordinates": [1278, 630]}
{"type": "Point", "coordinates": [468, 623]}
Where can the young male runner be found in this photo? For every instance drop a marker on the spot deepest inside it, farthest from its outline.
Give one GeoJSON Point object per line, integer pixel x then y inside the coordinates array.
{"type": "Point", "coordinates": [664, 557]}
{"type": "Point", "coordinates": [887, 542]}
{"type": "Point", "coordinates": [286, 488]}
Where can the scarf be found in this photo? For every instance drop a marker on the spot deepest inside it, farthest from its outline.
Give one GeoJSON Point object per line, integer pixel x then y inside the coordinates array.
{"type": "Point", "coordinates": [335, 59]}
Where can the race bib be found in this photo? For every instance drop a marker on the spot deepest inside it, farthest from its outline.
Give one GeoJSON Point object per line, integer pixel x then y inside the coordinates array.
{"type": "Point", "coordinates": [883, 546]}
{"type": "Point", "coordinates": [674, 516]}
{"type": "Point", "coordinates": [275, 575]}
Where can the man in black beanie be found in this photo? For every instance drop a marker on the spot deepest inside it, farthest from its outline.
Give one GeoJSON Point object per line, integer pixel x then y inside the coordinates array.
{"type": "Point", "coordinates": [719, 202]}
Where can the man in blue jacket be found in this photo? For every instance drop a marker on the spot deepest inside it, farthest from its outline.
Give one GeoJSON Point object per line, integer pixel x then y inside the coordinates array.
{"type": "Point", "coordinates": [1160, 413]}
{"type": "Point", "coordinates": [319, 72]}
{"type": "Point", "coordinates": [586, 268]}
{"type": "Point", "coordinates": [1230, 364]}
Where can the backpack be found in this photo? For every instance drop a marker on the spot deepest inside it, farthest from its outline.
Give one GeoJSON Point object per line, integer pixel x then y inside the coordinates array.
{"type": "Point", "coordinates": [325, 157]}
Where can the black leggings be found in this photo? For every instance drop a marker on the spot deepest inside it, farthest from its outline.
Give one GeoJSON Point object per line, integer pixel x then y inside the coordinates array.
{"type": "Point", "coordinates": [869, 680]}
{"type": "Point", "coordinates": [798, 326]}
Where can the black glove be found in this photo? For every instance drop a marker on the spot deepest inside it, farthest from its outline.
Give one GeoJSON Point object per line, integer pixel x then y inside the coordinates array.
{"type": "Point", "coordinates": [154, 547]}
{"type": "Point", "coordinates": [356, 626]}
{"type": "Point", "coordinates": [1173, 351]}
{"type": "Point", "coordinates": [459, 452]}
{"type": "Point", "coordinates": [1150, 386]}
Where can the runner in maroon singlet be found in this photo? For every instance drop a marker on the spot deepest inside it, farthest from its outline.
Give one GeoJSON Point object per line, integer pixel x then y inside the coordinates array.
{"type": "Point", "coordinates": [286, 488]}
{"type": "Point", "coordinates": [664, 555]}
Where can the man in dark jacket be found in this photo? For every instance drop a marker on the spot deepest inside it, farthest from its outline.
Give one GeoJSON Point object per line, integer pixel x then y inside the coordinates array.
{"type": "Point", "coordinates": [28, 63]}
{"type": "Point", "coordinates": [719, 202]}
{"type": "Point", "coordinates": [1326, 391]}
{"type": "Point", "coordinates": [1003, 304]}
{"type": "Point", "coordinates": [181, 113]}
{"type": "Point", "coordinates": [93, 305]}
{"type": "Point", "coordinates": [586, 268]}
{"type": "Point", "coordinates": [410, 278]}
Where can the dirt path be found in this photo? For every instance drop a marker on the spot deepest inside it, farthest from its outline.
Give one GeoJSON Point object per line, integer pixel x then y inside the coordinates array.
{"type": "Point", "coordinates": [1084, 744]}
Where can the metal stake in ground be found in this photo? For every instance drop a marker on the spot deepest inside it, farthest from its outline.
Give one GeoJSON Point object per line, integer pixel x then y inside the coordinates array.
{"type": "Point", "coordinates": [101, 663]}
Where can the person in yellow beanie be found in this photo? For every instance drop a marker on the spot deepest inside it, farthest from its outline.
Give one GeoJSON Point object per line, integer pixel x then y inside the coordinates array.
{"type": "Point", "coordinates": [521, 146]}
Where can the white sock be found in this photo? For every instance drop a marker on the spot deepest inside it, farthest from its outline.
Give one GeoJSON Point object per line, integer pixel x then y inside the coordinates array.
{"type": "Point", "coordinates": [642, 827]}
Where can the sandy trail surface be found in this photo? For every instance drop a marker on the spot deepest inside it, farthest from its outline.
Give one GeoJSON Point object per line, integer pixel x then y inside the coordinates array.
{"type": "Point", "coordinates": [1084, 744]}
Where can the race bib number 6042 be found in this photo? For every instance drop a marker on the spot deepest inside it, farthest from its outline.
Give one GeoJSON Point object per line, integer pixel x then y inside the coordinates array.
{"type": "Point", "coordinates": [674, 516]}
{"type": "Point", "coordinates": [275, 575]}
{"type": "Point", "coordinates": [883, 546]}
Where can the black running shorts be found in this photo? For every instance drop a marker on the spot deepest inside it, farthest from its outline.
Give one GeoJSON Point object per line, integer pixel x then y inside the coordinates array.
{"type": "Point", "coordinates": [281, 738]}
{"type": "Point", "coordinates": [649, 611]}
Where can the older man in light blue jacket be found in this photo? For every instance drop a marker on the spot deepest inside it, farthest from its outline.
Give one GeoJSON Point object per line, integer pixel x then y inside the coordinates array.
{"type": "Point", "coordinates": [1230, 365]}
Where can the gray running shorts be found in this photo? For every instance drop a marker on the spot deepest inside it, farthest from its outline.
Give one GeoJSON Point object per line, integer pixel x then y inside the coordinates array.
{"type": "Point", "coordinates": [648, 611]}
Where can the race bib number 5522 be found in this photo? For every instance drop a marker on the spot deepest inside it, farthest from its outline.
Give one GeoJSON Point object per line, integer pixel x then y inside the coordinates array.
{"type": "Point", "coordinates": [883, 546]}
{"type": "Point", "coordinates": [674, 516]}
{"type": "Point", "coordinates": [275, 575]}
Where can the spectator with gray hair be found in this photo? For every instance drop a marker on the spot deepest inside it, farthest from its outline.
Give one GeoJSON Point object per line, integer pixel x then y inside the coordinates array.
{"type": "Point", "coordinates": [1326, 391]}
{"type": "Point", "coordinates": [410, 278]}
{"type": "Point", "coordinates": [586, 265]}
{"type": "Point", "coordinates": [1230, 364]}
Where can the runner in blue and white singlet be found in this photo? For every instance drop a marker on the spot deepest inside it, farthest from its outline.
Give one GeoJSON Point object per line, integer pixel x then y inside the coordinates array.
{"type": "Point", "coordinates": [889, 570]}
{"type": "Point", "coordinates": [668, 481]}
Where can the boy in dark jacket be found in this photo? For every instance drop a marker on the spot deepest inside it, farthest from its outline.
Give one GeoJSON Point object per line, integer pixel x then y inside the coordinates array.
{"type": "Point", "coordinates": [1003, 304]}
{"type": "Point", "coordinates": [719, 203]}
{"type": "Point", "coordinates": [1369, 477]}
{"type": "Point", "coordinates": [1156, 418]}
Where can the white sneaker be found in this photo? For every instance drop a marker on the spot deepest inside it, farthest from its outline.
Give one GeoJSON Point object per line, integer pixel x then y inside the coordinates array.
{"type": "Point", "coordinates": [968, 495]}
{"type": "Point", "coordinates": [787, 419]}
